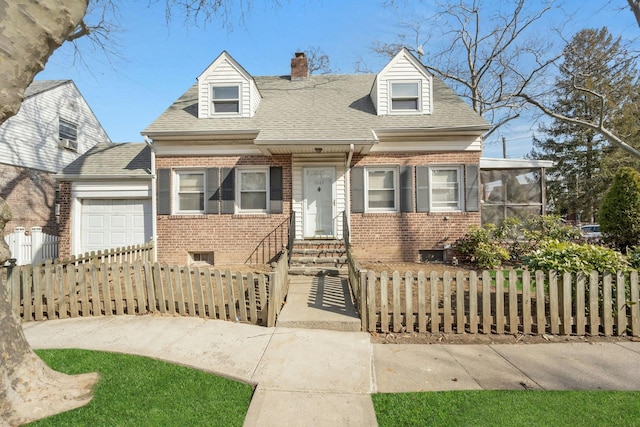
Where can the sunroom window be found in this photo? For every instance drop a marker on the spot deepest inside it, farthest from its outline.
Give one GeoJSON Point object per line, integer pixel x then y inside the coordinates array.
{"type": "Point", "coordinates": [382, 189]}
{"type": "Point", "coordinates": [405, 97]}
{"type": "Point", "coordinates": [252, 190]}
{"type": "Point", "coordinates": [226, 99]}
{"type": "Point", "coordinates": [445, 188]}
{"type": "Point", "coordinates": [191, 191]}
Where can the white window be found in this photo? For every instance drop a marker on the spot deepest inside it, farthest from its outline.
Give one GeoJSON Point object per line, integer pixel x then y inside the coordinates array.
{"type": "Point", "coordinates": [68, 134]}
{"type": "Point", "coordinates": [190, 197]}
{"type": "Point", "coordinates": [445, 188]}
{"type": "Point", "coordinates": [226, 99]}
{"type": "Point", "coordinates": [252, 190]}
{"type": "Point", "coordinates": [405, 97]}
{"type": "Point", "coordinates": [382, 189]}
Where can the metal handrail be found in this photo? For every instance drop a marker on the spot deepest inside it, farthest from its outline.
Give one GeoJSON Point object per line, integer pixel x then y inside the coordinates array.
{"type": "Point", "coordinates": [292, 233]}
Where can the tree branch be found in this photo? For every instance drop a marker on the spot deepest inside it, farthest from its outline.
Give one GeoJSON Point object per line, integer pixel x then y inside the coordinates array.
{"type": "Point", "coordinates": [599, 128]}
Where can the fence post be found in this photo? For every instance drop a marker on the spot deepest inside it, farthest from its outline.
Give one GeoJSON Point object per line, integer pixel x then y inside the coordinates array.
{"type": "Point", "coordinates": [36, 245]}
{"type": "Point", "coordinates": [273, 299]}
{"type": "Point", "coordinates": [362, 306]}
{"type": "Point", "coordinates": [19, 241]}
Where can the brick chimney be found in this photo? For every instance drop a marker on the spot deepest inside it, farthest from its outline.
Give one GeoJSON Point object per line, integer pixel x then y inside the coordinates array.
{"type": "Point", "coordinates": [299, 67]}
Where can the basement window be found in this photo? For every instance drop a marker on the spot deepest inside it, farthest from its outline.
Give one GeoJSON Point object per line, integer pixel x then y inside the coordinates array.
{"type": "Point", "coordinates": [201, 258]}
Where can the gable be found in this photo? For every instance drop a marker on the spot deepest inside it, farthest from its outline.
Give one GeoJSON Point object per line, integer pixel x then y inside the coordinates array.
{"type": "Point", "coordinates": [225, 89]}
{"type": "Point", "coordinates": [412, 84]}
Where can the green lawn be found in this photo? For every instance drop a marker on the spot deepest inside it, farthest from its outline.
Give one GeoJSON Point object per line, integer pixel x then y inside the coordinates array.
{"type": "Point", "coordinates": [508, 408]}
{"type": "Point", "coordinates": [138, 391]}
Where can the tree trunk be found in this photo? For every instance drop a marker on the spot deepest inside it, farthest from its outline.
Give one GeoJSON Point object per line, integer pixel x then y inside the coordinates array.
{"type": "Point", "coordinates": [29, 33]}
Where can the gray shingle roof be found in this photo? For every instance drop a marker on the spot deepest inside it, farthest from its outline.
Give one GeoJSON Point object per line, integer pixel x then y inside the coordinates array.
{"type": "Point", "coordinates": [107, 160]}
{"type": "Point", "coordinates": [322, 108]}
{"type": "Point", "coordinates": [39, 86]}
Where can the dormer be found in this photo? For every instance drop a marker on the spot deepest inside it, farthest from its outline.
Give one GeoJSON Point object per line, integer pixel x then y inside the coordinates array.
{"type": "Point", "coordinates": [226, 90]}
{"type": "Point", "coordinates": [403, 87]}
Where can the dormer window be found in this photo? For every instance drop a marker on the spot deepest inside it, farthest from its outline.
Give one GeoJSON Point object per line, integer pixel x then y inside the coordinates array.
{"type": "Point", "coordinates": [405, 97]}
{"type": "Point", "coordinates": [226, 99]}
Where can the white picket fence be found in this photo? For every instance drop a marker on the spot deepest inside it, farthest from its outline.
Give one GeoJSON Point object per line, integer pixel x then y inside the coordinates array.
{"type": "Point", "coordinates": [34, 248]}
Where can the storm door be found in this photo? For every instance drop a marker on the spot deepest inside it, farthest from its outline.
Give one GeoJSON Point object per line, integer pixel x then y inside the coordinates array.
{"type": "Point", "coordinates": [318, 204]}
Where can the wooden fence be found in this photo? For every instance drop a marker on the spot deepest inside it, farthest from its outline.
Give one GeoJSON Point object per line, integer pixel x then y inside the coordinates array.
{"type": "Point", "coordinates": [56, 291]}
{"type": "Point", "coordinates": [597, 304]}
{"type": "Point", "coordinates": [128, 254]}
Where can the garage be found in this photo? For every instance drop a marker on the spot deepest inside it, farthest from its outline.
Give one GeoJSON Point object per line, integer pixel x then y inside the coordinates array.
{"type": "Point", "coordinates": [115, 223]}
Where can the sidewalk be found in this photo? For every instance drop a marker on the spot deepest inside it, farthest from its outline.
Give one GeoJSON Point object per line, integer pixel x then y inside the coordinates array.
{"type": "Point", "coordinates": [325, 378]}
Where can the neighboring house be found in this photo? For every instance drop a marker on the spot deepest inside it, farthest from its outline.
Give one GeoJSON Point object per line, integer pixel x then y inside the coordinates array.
{"type": "Point", "coordinates": [106, 199]}
{"type": "Point", "coordinates": [395, 154]}
{"type": "Point", "coordinates": [54, 126]}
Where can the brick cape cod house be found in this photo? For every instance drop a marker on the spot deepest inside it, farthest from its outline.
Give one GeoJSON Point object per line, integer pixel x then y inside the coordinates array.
{"type": "Point", "coordinates": [237, 155]}
{"type": "Point", "coordinates": [238, 159]}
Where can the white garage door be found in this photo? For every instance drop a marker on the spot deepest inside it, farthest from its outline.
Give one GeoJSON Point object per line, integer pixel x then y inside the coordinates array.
{"type": "Point", "coordinates": [110, 224]}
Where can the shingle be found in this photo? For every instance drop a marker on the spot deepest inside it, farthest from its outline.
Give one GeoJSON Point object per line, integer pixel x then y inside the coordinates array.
{"type": "Point", "coordinates": [321, 108]}
{"type": "Point", "coordinates": [39, 86]}
{"type": "Point", "coordinates": [107, 159]}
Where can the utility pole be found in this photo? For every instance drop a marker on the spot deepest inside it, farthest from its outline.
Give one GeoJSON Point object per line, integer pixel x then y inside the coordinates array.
{"type": "Point", "coordinates": [504, 147]}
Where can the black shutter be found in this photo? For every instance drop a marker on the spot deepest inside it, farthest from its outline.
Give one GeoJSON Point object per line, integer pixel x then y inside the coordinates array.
{"type": "Point", "coordinates": [228, 190]}
{"type": "Point", "coordinates": [406, 188]}
{"type": "Point", "coordinates": [213, 193]}
{"type": "Point", "coordinates": [422, 189]}
{"type": "Point", "coordinates": [471, 172]}
{"type": "Point", "coordinates": [164, 191]}
{"type": "Point", "coordinates": [275, 189]}
{"type": "Point", "coordinates": [357, 190]}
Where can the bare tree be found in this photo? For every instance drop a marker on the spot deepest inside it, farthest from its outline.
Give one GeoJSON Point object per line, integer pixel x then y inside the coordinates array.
{"type": "Point", "coordinates": [635, 8]}
{"type": "Point", "coordinates": [485, 56]}
{"type": "Point", "coordinates": [319, 61]}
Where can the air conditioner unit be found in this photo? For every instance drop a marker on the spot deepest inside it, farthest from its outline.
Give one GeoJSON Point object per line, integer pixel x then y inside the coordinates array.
{"type": "Point", "coordinates": [68, 144]}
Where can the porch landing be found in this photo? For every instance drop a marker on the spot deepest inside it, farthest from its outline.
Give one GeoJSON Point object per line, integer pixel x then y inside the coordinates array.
{"type": "Point", "coordinates": [319, 302]}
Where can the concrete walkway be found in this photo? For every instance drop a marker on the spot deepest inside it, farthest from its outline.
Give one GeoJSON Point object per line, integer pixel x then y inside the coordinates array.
{"type": "Point", "coordinates": [325, 378]}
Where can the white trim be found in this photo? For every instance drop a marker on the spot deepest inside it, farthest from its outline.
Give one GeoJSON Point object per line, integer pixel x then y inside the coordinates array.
{"type": "Point", "coordinates": [419, 101]}
{"type": "Point", "coordinates": [212, 100]}
{"type": "Point", "coordinates": [238, 192]}
{"type": "Point", "coordinates": [461, 187]}
{"type": "Point", "coordinates": [176, 191]}
{"type": "Point", "coordinates": [396, 188]}
{"type": "Point", "coordinates": [305, 169]}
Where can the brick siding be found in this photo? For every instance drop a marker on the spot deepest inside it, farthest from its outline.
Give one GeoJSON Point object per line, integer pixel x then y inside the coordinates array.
{"type": "Point", "coordinates": [390, 237]}
{"type": "Point", "coordinates": [30, 194]}
{"type": "Point", "coordinates": [234, 239]}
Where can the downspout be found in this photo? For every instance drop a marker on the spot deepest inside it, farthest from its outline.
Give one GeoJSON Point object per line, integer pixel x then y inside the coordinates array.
{"type": "Point", "coordinates": [154, 206]}
{"type": "Point", "coordinates": [348, 187]}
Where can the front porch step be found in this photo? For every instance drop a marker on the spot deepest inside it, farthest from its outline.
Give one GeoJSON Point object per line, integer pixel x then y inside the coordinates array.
{"type": "Point", "coordinates": [306, 270]}
{"type": "Point", "coordinates": [313, 257]}
{"type": "Point", "coordinates": [319, 302]}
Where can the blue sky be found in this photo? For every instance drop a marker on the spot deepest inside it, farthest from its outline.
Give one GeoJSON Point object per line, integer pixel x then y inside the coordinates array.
{"type": "Point", "coordinates": [157, 62]}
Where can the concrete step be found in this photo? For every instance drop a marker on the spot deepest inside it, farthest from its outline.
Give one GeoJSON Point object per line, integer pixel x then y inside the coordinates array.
{"type": "Point", "coordinates": [306, 270]}
{"type": "Point", "coordinates": [318, 252]}
{"type": "Point", "coordinates": [319, 302]}
{"type": "Point", "coordinates": [318, 260]}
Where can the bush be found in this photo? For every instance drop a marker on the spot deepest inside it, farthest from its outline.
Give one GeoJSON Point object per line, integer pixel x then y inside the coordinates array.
{"type": "Point", "coordinates": [483, 246]}
{"type": "Point", "coordinates": [620, 212]}
{"type": "Point", "coordinates": [490, 245]}
{"type": "Point", "coordinates": [572, 257]}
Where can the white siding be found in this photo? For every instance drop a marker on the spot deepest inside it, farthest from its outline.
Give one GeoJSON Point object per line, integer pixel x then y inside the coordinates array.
{"type": "Point", "coordinates": [223, 71]}
{"type": "Point", "coordinates": [30, 138]}
{"type": "Point", "coordinates": [302, 161]}
{"type": "Point", "coordinates": [402, 69]}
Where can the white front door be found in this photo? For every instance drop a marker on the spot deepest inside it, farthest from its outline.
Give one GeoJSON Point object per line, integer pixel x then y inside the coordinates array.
{"type": "Point", "coordinates": [318, 206]}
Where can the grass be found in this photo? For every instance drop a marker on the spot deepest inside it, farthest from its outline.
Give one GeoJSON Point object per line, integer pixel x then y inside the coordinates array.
{"type": "Point", "coordinates": [509, 408]}
{"type": "Point", "coordinates": [139, 391]}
